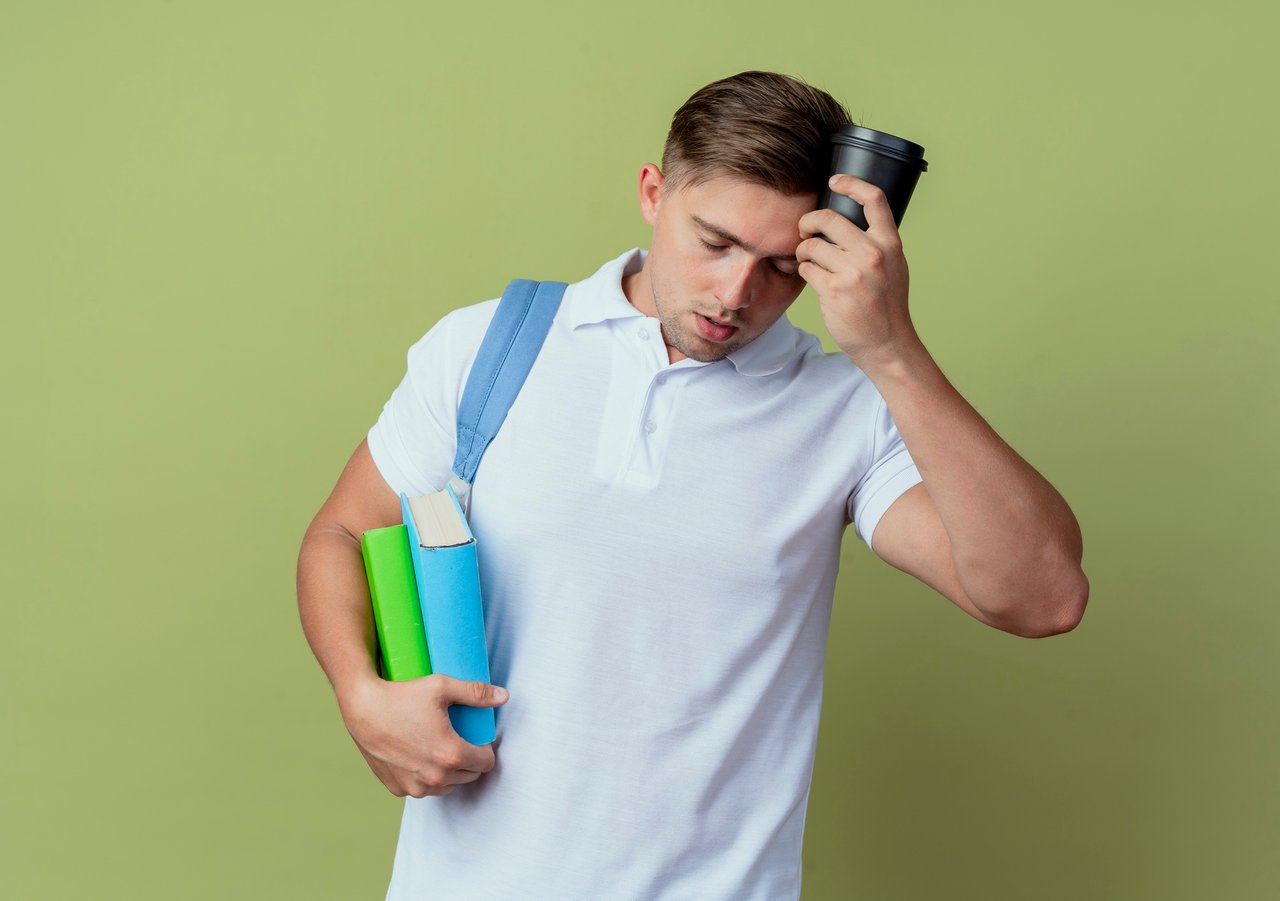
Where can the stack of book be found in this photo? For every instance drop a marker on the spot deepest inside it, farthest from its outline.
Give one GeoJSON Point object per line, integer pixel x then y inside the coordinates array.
{"type": "Point", "coordinates": [424, 583]}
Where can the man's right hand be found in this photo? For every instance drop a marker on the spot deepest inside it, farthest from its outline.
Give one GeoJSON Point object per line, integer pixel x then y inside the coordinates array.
{"type": "Point", "coordinates": [403, 731]}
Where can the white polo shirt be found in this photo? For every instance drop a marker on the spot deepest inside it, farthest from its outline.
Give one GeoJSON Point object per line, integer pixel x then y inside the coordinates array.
{"type": "Point", "coordinates": [658, 546]}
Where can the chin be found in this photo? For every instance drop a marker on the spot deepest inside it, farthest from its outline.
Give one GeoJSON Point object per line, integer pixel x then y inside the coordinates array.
{"type": "Point", "coordinates": [704, 351]}
{"type": "Point", "coordinates": [709, 356]}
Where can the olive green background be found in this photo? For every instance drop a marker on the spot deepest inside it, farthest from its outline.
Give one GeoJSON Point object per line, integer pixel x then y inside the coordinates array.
{"type": "Point", "coordinates": [222, 225]}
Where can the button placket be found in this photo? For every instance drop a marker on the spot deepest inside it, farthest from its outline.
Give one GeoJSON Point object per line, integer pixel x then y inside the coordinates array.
{"type": "Point", "coordinates": [648, 422]}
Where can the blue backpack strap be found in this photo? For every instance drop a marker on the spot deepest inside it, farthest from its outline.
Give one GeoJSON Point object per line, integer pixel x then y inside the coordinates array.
{"type": "Point", "coordinates": [506, 355]}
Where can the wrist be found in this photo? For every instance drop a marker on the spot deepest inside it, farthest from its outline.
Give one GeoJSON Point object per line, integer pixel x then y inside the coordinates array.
{"type": "Point", "coordinates": [355, 692]}
{"type": "Point", "coordinates": [893, 359]}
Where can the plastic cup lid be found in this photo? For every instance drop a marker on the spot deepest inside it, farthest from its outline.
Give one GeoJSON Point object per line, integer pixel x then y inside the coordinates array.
{"type": "Point", "coordinates": [880, 142]}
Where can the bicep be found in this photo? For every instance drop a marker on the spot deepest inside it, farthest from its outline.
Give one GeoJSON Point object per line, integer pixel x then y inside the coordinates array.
{"type": "Point", "coordinates": [911, 537]}
{"type": "Point", "coordinates": [361, 499]}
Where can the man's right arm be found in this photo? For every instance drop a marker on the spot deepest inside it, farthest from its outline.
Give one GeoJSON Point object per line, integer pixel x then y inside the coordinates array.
{"type": "Point", "coordinates": [401, 728]}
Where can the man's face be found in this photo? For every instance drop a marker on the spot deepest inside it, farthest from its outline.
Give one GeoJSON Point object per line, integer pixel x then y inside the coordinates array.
{"type": "Point", "coordinates": [721, 267]}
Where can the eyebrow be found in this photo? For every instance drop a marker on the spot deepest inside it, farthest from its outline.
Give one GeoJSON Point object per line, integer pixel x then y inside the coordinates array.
{"type": "Point", "coordinates": [729, 236]}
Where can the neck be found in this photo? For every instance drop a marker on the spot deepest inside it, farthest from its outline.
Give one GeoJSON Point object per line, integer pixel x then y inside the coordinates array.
{"type": "Point", "coordinates": [639, 293]}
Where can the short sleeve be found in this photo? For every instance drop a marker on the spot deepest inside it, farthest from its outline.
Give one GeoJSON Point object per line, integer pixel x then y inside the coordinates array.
{"type": "Point", "coordinates": [892, 472]}
{"type": "Point", "coordinates": [415, 438]}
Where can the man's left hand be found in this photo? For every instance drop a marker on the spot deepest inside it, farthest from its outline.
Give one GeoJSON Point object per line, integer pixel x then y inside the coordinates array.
{"type": "Point", "coordinates": [861, 277]}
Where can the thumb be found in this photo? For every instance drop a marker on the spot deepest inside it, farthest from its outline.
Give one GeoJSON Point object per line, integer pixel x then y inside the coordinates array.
{"type": "Point", "coordinates": [471, 694]}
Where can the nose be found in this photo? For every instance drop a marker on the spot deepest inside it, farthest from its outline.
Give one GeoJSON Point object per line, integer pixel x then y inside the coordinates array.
{"type": "Point", "coordinates": [736, 290]}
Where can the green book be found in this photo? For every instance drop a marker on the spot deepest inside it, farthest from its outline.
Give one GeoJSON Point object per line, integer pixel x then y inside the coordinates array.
{"type": "Point", "coordinates": [393, 588]}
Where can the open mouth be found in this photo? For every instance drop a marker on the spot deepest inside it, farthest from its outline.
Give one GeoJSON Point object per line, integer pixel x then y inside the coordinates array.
{"type": "Point", "coordinates": [713, 330]}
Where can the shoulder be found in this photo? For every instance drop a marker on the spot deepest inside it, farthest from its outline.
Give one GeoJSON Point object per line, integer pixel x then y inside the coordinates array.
{"type": "Point", "coordinates": [463, 323]}
{"type": "Point", "coordinates": [452, 342]}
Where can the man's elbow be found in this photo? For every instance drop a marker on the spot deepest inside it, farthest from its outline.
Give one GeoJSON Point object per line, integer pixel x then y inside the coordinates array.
{"type": "Point", "coordinates": [1060, 612]}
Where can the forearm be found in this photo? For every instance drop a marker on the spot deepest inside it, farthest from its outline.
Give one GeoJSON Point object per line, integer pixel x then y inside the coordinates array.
{"type": "Point", "coordinates": [1015, 543]}
{"type": "Point", "coordinates": [333, 604]}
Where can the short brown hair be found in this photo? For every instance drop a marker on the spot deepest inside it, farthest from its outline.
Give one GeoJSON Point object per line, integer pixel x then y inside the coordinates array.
{"type": "Point", "coordinates": [763, 127]}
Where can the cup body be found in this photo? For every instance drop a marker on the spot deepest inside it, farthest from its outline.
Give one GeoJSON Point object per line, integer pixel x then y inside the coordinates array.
{"type": "Point", "coordinates": [890, 163]}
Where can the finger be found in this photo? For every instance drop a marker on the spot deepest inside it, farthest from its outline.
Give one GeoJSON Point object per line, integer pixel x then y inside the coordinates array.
{"type": "Point", "coordinates": [829, 223]}
{"type": "Point", "coordinates": [815, 275]}
{"type": "Point", "coordinates": [875, 207]}
{"type": "Point", "coordinates": [815, 250]}
{"type": "Point", "coordinates": [436, 776]}
{"type": "Point", "coordinates": [462, 755]}
{"type": "Point", "coordinates": [470, 694]}
{"type": "Point", "coordinates": [463, 777]}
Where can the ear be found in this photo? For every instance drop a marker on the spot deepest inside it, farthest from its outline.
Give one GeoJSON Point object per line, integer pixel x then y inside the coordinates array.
{"type": "Point", "coordinates": [651, 181]}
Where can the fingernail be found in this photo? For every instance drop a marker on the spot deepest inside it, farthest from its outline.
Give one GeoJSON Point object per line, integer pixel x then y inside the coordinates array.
{"type": "Point", "coordinates": [832, 181]}
{"type": "Point", "coordinates": [500, 694]}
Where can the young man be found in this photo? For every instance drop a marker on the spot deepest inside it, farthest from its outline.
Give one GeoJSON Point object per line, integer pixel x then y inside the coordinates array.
{"type": "Point", "coordinates": [661, 517]}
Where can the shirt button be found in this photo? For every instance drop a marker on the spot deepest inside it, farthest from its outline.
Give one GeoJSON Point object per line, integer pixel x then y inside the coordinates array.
{"type": "Point", "coordinates": [643, 334]}
{"type": "Point", "coordinates": [650, 427]}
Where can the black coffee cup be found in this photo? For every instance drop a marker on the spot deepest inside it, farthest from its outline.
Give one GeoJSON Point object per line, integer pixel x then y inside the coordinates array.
{"type": "Point", "coordinates": [888, 162]}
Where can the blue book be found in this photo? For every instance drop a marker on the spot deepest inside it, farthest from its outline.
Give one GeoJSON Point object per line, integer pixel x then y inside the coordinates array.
{"type": "Point", "coordinates": [443, 551]}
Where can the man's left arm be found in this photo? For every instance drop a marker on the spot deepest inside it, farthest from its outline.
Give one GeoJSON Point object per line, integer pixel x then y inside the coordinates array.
{"type": "Point", "coordinates": [984, 528]}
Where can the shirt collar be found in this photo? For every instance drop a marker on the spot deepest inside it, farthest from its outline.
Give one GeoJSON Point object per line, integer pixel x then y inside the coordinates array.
{"type": "Point", "coordinates": [599, 298]}
{"type": "Point", "coordinates": [769, 352]}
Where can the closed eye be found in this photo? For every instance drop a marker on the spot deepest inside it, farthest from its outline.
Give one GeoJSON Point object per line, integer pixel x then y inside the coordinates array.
{"type": "Point", "coordinates": [785, 273]}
